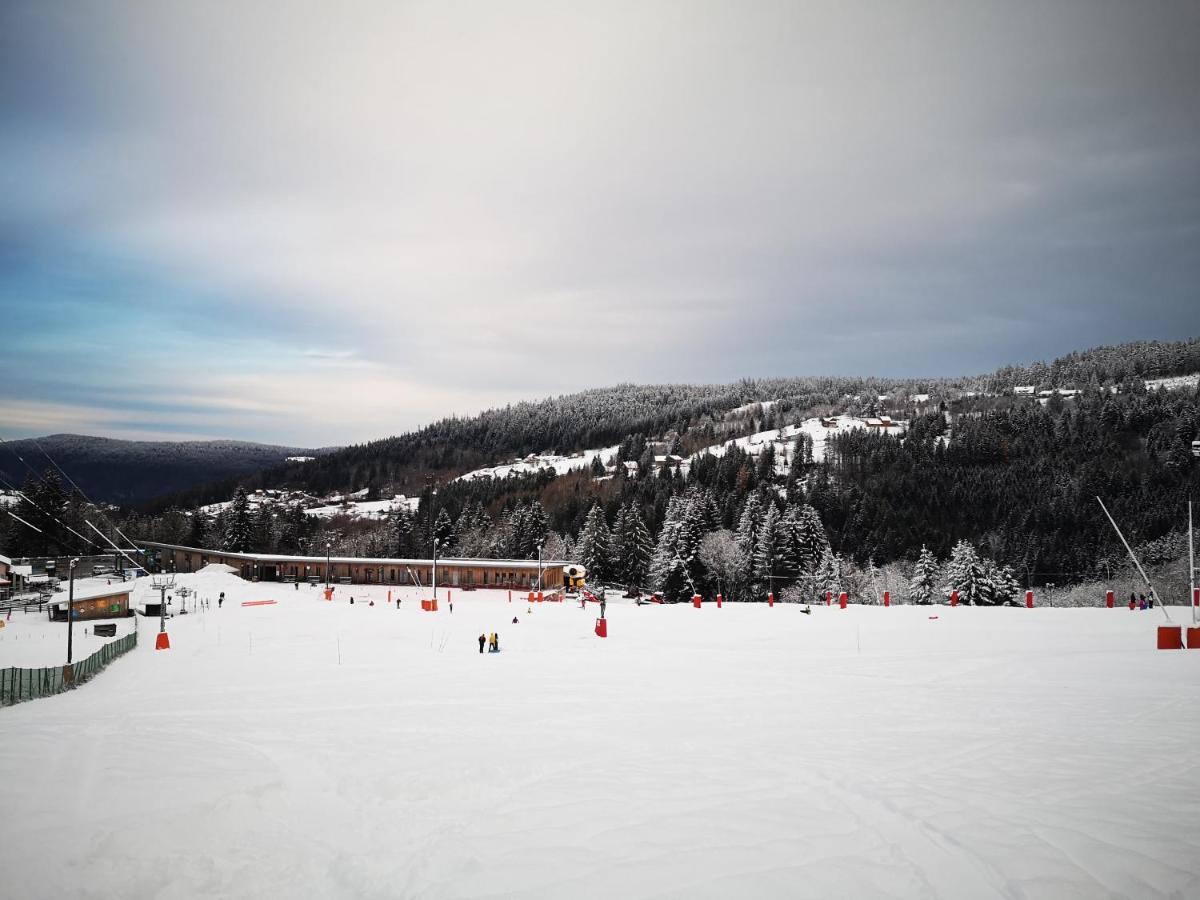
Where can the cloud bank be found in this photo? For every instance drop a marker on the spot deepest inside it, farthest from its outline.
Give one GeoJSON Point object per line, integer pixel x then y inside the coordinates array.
{"type": "Point", "coordinates": [316, 224]}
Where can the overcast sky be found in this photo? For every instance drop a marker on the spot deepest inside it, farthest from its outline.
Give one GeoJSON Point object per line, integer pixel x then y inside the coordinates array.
{"type": "Point", "coordinates": [323, 223]}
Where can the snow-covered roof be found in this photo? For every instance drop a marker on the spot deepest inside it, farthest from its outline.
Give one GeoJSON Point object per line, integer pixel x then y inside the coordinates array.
{"type": "Point", "coordinates": [96, 591]}
{"type": "Point", "coordinates": [5, 561]}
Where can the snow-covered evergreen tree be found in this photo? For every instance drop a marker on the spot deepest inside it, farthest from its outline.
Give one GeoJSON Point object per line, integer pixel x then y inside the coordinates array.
{"type": "Point", "coordinates": [443, 530]}
{"type": "Point", "coordinates": [749, 526]}
{"type": "Point", "coordinates": [923, 587]}
{"type": "Point", "coordinates": [965, 573]}
{"type": "Point", "coordinates": [592, 548]}
{"type": "Point", "coordinates": [636, 548]}
{"type": "Point", "coordinates": [828, 578]}
{"type": "Point", "coordinates": [239, 527]}
{"type": "Point", "coordinates": [676, 570]}
{"type": "Point", "coordinates": [771, 557]}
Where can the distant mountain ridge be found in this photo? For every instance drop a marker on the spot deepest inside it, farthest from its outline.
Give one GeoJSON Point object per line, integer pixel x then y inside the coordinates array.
{"type": "Point", "coordinates": [131, 472]}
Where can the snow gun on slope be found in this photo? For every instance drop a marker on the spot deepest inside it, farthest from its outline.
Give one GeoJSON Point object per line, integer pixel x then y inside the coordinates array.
{"type": "Point", "coordinates": [574, 579]}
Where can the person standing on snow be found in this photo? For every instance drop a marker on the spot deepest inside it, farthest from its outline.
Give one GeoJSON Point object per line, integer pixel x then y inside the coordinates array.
{"type": "Point", "coordinates": [220, 599]}
{"type": "Point", "coordinates": [482, 641]}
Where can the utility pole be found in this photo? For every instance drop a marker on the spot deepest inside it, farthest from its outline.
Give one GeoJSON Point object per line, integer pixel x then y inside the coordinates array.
{"type": "Point", "coordinates": [70, 605]}
{"type": "Point", "coordinates": [541, 544]}
{"type": "Point", "coordinates": [328, 546]}
{"type": "Point", "coordinates": [434, 578]}
{"type": "Point", "coordinates": [1142, 571]}
{"type": "Point", "coordinates": [1191, 566]}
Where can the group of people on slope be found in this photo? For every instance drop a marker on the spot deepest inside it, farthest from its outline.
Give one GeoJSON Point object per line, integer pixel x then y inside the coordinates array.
{"type": "Point", "coordinates": [492, 640]}
{"type": "Point", "coordinates": [1139, 601]}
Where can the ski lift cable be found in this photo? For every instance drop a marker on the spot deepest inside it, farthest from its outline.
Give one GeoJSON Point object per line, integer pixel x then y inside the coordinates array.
{"type": "Point", "coordinates": [73, 484]}
{"type": "Point", "coordinates": [12, 487]}
{"type": "Point", "coordinates": [135, 564]}
{"type": "Point", "coordinates": [86, 541]}
{"type": "Point", "coordinates": [23, 522]}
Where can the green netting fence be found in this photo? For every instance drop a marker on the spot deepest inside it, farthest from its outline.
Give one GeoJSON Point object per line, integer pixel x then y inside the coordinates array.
{"type": "Point", "coordinates": [17, 685]}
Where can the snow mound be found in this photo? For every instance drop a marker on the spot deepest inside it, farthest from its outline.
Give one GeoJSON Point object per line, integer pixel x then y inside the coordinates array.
{"type": "Point", "coordinates": [217, 569]}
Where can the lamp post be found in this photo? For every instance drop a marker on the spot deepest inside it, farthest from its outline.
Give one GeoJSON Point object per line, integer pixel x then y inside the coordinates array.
{"type": "Point", "coordinates": [541, 544]}
{"type": "Point", "coordinates": [70, 605]}
{"type": "Point", "coordinates": [328, 547]}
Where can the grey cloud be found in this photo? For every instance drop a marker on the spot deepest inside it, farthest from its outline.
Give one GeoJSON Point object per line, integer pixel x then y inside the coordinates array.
{"type": "Point", "coordinates": [695, 190]}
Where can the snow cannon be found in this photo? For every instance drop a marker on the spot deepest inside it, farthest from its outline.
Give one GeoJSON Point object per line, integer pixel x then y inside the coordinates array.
{"type": "Point", "coordinates": [574, 577]}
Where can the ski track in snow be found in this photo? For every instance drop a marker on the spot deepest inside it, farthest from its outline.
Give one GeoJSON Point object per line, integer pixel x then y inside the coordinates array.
{"type": "Point", "coordinates": [1005, 753]}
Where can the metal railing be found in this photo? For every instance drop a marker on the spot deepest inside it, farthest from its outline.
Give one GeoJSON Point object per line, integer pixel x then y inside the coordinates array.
{"type": "Point", "coordinates": [17, 685]}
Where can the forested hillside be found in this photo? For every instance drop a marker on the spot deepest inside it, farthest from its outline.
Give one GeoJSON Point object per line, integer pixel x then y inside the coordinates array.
{"type": "Point", "coordinates": [986, 489]}
{"type": "Point", "coordinates": [132, 472]}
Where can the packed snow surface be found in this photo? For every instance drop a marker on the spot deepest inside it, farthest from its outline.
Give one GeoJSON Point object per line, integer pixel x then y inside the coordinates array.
{"type": "Point", "coordinates": [314, 749]}
{"type": "Point", "coordinates": [1174, 383]}
{"type": "Point", "coordinates": [364, 509]}
{"type": "Point", "coordinates": [537, 462]}
{"type": "Point", "coordinates": [820, 430]}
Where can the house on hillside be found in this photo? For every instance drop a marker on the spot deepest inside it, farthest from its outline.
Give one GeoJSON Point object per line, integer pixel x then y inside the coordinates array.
{"type": "Point", "coordinates": [1024, 389]}
{"type": "Point", "coordinates": [5, 581]}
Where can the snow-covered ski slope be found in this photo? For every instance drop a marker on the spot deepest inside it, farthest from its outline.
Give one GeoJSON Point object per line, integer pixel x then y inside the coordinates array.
{"type": "Point", "coordinates": [538, 462]}
{"type": "Point", "coordinates": [817, 429]}
{"type": "Point", "coordinates": [782, 438]}
{"type": "Point", "coordinates": [740, 752]}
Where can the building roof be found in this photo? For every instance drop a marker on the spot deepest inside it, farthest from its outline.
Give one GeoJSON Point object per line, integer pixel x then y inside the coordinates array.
{"type": "Point", "coordinates": [5, 561]}
{"type": "Point", "coordinates": [96, 592]}
{"type": "Point", "coordinates": [449, 562]}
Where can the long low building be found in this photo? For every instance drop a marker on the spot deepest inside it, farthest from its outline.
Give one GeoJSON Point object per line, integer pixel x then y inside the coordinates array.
{"type": "Point", "coordinates": [451, 572]}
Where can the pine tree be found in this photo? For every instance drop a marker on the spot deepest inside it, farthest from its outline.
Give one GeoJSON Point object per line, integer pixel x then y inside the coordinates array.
{"type": "Point", "coordinates": [814, 541]}
{"type": "Point", "coordinates": [636, 549]}
{"type": "Point", "coordinates": [923, 587]}
{"type": "Point", "coordinates": [400, 526]}
{"type": "Point", "coordinates": [443, 531]}
{"type": "Point", "coordinates": [829, 575]}
{"type": "Point", "coordinates": [749, 527]}
{"type": "Point", "coordinates": [239, 527]}
{"type": "Point", "coordinates": [766, 464]}
{"type": "Point", "coordinates": [965, 573]}
{"type": "Point", "coordinates": [666, 575]}
{"type": "Point", "coordinates": [593, 545]}
{"type": "Point", "coordinates": [767, 553]}
{"type": "Point", "coordinates": [537, 525]}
